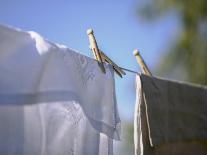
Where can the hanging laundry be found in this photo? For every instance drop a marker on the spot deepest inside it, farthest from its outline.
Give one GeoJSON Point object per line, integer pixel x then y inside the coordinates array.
{"type": "Point", "coordinates": [53, 101]}
{"type": "Point", "coordinates": [170, 118]}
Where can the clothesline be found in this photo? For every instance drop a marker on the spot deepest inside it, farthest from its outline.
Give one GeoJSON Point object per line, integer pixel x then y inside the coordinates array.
{"type": "Point", "coordinates": [128, 70]}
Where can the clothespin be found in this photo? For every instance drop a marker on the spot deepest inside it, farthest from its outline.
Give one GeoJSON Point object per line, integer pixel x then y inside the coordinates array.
{"type": "Point", "coordinates": [100, 56]}
{"type": "Point", "coordinates": [116, 68]}
{"type": "Point", "coordinates": [141, 63]}
{"type": "Point", "coordinates": [95, 50]}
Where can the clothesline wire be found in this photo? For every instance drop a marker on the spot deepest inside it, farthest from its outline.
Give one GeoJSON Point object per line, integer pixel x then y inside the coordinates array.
{"type": "Point", "coordinates": [129, 70]}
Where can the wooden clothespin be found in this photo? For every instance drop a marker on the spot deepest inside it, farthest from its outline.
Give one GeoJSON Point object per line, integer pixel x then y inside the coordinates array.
{"type": "Point", "coordinates": [95, 50]}
{"type": "Point", "coordinates": [116, 68]}
{"type": "Point", "coordinates": [141, 63]}
{"type": "Point", "coordinates": [100, 56]}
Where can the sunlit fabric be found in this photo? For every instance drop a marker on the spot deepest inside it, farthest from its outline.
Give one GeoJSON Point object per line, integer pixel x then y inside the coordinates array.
{"type": "Point", "coordinates": [170, 117]}
{"type": "Point", "coordinates": [53, 101]}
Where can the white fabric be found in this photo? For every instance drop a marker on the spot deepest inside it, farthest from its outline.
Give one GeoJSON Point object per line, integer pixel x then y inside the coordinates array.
{"type": "Point", "coordinates": [53, 101]}
{"type": "Point", "coordinates": [170, 117]}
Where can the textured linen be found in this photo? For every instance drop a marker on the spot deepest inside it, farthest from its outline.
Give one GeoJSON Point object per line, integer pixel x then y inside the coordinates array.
{"type": "Point", "coordinates": [170, 117]}
{"type": "Point", "coordinates": [53, 101]}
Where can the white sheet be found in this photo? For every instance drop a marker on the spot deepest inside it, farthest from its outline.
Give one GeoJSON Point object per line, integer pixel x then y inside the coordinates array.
{"type": "Point", "coordinates": [53, 101]}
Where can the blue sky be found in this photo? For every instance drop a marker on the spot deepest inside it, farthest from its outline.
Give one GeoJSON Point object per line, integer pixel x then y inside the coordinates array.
{"type": "Point", "coordinates": [117, 26]}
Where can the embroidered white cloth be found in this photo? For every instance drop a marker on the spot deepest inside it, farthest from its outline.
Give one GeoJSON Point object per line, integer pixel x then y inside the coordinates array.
{"type": "Point", "coordinates": [53, 101]}
{"type": "Point", "coordinates": [170, 117]}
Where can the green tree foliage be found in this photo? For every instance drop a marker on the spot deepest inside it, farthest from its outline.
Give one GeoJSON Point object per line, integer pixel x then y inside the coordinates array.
{"type": "Point", "coordinates": [189, 53]}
